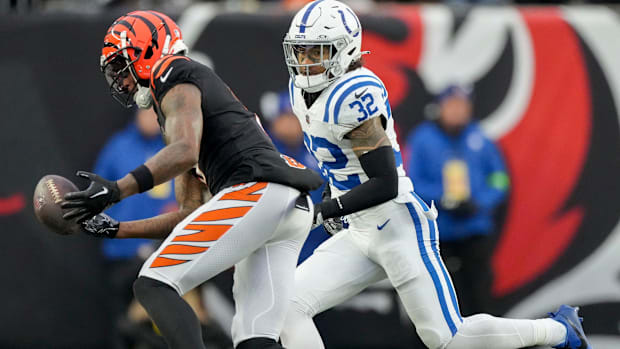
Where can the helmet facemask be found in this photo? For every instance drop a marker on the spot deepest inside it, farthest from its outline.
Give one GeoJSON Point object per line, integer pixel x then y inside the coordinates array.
{"type": "Point", "coordinates": [324, 54]}
{"type": "Point", "coordinates": [116, 69]}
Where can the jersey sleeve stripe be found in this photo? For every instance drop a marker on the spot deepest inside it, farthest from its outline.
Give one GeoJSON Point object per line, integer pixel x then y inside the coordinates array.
{"type": "Point", "coordinates": [338, 87]}
{"type": "Point", "coordinates": [158, 64]}
{"type": "Point", "coordinates": [347, 92]}
{"type": "Point", "coordinates": [155, 70]}
{"type": "Point", "coordinates": [165, 64]}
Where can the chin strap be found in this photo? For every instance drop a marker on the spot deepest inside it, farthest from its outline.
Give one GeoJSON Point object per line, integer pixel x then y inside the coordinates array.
{"type": "Point", "coordinates": [143, 97]}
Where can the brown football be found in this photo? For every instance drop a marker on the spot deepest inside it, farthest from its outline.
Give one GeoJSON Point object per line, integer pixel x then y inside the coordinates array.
{"type": "Point", "coordinates": [48, 195]}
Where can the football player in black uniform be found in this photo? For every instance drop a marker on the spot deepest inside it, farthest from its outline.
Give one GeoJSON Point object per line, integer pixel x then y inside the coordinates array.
{"type": "Point", "coordinates": [258, 217]}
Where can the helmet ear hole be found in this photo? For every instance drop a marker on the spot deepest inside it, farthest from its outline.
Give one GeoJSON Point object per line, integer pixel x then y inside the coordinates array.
{"type": "Point", "coordinates": [148, 53]}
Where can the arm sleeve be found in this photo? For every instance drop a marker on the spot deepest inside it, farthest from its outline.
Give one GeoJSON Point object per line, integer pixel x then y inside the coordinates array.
{"type": "Point", "coordinates": [497, 180]}
{"type": "Point", "coordinates": [382, 185]}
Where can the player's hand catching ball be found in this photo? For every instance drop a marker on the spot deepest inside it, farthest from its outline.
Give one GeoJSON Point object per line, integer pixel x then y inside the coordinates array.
{"type": "Point", "coordinates": [101, 226]}
{"type": "Point", "coordinates": [100, 194]}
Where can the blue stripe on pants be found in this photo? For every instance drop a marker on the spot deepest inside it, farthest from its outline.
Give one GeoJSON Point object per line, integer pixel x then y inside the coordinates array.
{"type": "Point", "coordinates": [431, 270]}
{"type": "Point", "coordinates": [455, 304]}
{"type": "Point", "coordinates": [435, 238]}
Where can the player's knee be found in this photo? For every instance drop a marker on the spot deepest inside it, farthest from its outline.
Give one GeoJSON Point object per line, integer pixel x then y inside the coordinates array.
{"type": "Point", "coordinates": [259, 343]}
{"type": "Point", "coordinates": [299, 307]}
{"type": "Point", "coordinates": [432, 338]}
{"type": "Point", "coordinates": [298, 316]}
{"type": "Point", "coordinates": [479, 324]}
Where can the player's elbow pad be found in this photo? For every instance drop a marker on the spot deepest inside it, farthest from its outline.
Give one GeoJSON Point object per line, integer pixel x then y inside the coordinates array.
{"type": "Point", "coordinates": [380, 166]}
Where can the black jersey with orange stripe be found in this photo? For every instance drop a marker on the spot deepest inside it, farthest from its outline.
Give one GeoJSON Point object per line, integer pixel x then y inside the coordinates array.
{"type": "Point", "coordinates": [234, 148]}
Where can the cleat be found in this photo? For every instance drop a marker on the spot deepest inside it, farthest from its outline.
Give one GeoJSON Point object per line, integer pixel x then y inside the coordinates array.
{"type": "Point", "coordinates": [575, 337]}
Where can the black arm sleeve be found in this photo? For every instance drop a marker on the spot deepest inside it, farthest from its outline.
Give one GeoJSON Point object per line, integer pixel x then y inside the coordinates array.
{"type": "Point", "coordinates": [382, 185]}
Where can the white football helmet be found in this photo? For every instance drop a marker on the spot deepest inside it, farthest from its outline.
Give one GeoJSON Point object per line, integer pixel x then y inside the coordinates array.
{"type": "Point", "coordinates": [330, 25]}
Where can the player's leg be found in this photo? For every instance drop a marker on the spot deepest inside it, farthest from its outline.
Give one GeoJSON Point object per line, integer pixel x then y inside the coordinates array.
{"type": "Point", "coordinates": [483, 331]}
{"type": "Point", "coordinates": [562, 330]}
{"type": "Point", "coordinates": [172, 315]}
{"type": "Point", "coordinates": [264, 282]}
{"type": "Point", "coordinates": [212, 239]}
{"type": "Point", "coordinates": [407, 249]}
{"type": "Point", "coordinates": [475, 332]}
{"type": "Point", "coordinates": [336, 271]}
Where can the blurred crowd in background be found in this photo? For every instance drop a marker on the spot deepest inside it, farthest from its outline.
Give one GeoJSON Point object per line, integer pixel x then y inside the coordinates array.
{"type": "Point", "coordinates": [22, 6]}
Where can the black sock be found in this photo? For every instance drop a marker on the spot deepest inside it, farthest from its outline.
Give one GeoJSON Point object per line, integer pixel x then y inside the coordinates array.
{"type": "Point", "coordinates": [259, 343]}
{"type": "Point", "coordinates": [173, 316]}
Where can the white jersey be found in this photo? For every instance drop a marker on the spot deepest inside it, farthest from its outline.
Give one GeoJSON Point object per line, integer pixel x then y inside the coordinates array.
{"type": "Point", "coordinates": [349, 101]}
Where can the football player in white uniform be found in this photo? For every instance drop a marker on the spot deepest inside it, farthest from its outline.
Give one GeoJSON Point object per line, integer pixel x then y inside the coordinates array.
{"type": "Point", "coordinates": [348, 126]}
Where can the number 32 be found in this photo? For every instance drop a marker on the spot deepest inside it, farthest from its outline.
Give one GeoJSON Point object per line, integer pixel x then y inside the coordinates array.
{"type": "Point", "coordinates": [367, 110]}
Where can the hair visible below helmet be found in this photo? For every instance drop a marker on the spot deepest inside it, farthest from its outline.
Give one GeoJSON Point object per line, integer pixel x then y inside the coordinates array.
{"type": "Point", "coordinates": [330, 25]}
{"type": "Point", "coordinates": [132, 45]}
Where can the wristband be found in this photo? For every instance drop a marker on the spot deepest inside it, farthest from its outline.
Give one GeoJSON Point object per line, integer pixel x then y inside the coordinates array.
{"type": "Point", "coordinates": [331, 208]}
{"type": "Point", "coordinates": [143, 177]}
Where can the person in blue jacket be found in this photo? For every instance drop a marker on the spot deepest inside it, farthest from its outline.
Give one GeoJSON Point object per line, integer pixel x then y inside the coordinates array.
{"type": "Point", "coordinates": [452, 162]}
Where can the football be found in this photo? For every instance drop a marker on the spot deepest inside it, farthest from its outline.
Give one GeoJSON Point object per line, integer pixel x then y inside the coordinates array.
{"type": "Point", "coordinates": [48, 195]}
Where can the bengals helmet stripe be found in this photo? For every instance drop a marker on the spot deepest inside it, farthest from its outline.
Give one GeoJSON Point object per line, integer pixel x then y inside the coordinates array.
{"type": "Point", "coordinates": [127, 25]}
{"type": "Point", "coordinates": [163, 20]}
{"type": "Point", "coordinates": [151, 27]}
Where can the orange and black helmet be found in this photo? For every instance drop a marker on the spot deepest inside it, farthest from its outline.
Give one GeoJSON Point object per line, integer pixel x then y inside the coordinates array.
{"type": "Point", "coordinates": [132, 45]}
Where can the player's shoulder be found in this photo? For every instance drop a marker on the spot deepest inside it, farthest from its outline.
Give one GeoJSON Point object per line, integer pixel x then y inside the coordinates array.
{"type": "Point", "coordinates": [171, 70]}
{"type": "Point", "coordinates": [166, 66]}
{"type": "Point", "coordinates": [354, 97]}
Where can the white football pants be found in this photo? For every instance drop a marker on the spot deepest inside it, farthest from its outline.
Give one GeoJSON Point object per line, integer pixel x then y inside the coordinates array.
{"type": "Point", "coordinates": [398, 241]}
{"type": "Point", "coordinates": [259, 229]}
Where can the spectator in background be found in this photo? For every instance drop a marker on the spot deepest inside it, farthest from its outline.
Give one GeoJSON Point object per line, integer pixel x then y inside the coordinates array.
{"type": "Point", "coordinates": [285, 132]}
{"type": "Point", "coordinates": [127, 149]}
{"type": "Point", "coordinates": [452, 162]}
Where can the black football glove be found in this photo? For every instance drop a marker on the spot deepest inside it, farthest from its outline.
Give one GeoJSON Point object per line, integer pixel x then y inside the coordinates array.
{"type": "Point", "coordinates": [100, 194]}
{"type": "Point", "coordinates": [101, 226]}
